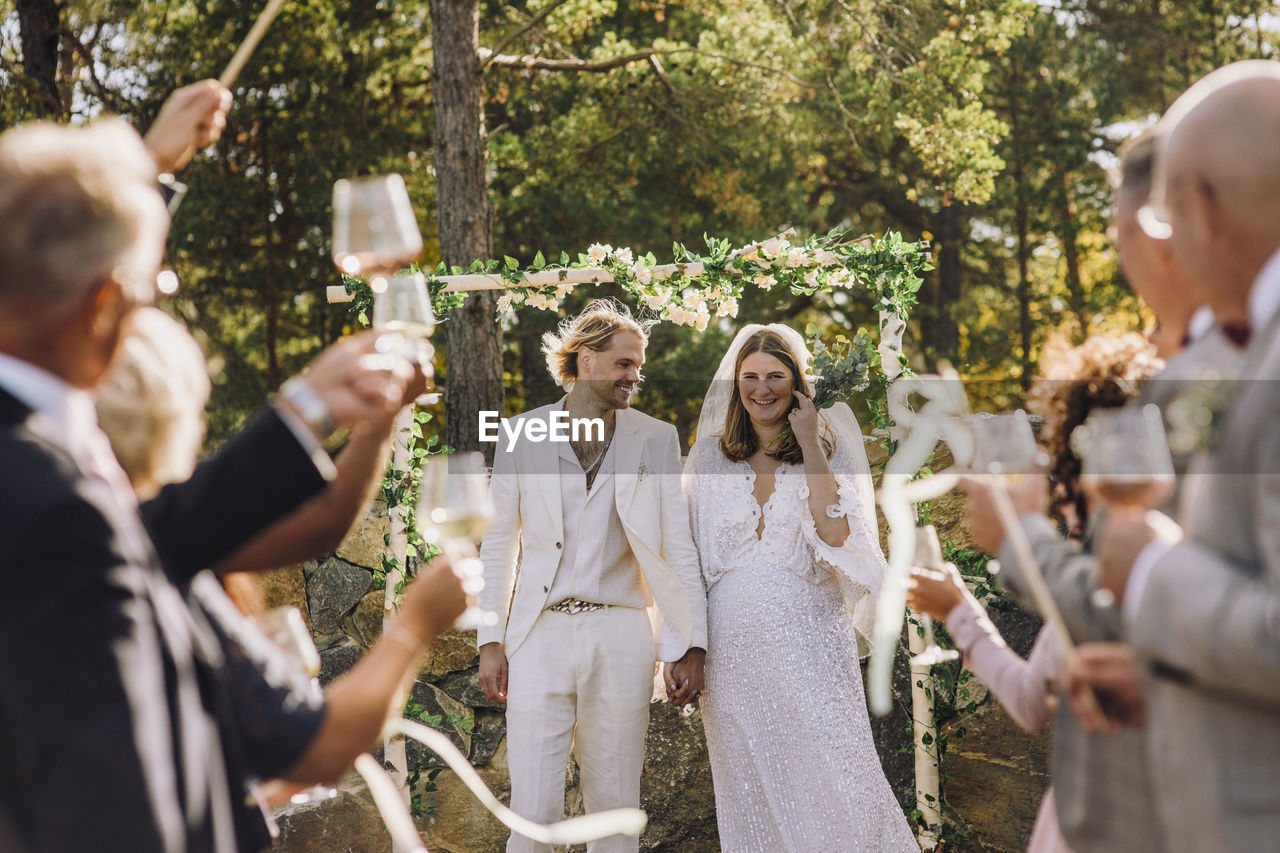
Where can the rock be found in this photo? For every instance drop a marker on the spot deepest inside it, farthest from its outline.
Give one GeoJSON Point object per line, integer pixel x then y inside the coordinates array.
{"type": "Point", "coordinates": [334, 587]}
{"type": "Point", "coordinates": [465, 687]}
{"type": "Point", "coordinates": [452, 651]}
{"type": "Point", "coordinates": [675, 789]}
{"type": "Point", "coordinates": [350, 823]}
{"type": "Point", "coordinates": [337, 660]}
{"type": "Point", "coordinates": [364, 625]}
{"type": "Point", "coordinates": [488, 735]}
{"type": "Point", "coordinates": [438, 703]}
{"type": "Point", "coordinates": [366, 543]}
{"type": "Point", "coordinates": [462, 824]}
{"type": "Point", "coordinates": [283, 588]}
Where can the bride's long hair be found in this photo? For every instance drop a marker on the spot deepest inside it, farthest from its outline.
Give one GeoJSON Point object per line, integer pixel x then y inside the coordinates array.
{"type": "Point", "coordinates": [739, 441]}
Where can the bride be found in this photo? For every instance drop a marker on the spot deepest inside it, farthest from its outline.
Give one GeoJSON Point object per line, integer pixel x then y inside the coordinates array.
{"type": "Point", "coordinates": [781, 502]}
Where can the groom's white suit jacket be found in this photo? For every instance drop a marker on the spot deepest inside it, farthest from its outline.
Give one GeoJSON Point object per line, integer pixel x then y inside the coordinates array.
{"type": "Point", "coordinates": [523, 548]}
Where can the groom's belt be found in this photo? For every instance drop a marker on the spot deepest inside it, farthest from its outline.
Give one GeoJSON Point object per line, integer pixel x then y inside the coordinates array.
{"type": "Point", "coordinates": [576, 605]}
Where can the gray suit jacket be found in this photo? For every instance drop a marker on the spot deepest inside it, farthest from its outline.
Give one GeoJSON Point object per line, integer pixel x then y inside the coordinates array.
{"type": "Point", "coordinates": [1209, 624]}
{"type": "Point", "coordinates": [1102, 784]}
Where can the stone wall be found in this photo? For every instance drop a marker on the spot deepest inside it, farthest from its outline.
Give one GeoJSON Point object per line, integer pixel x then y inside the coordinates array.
{"type": "Point", "coordinates": [994, 774]}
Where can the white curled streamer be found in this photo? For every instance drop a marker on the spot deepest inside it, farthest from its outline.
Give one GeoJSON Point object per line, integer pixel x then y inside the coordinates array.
{"type": "Point", "coordinates": [578, 830]}
{"type": "Point", "coordinates": [386, 796]}
{"type": "Point", "coordinates": [945, 403]}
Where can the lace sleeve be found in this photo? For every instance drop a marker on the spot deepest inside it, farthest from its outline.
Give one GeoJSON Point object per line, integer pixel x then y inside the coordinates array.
{"type": "Point", "coordinates": [859, 560]}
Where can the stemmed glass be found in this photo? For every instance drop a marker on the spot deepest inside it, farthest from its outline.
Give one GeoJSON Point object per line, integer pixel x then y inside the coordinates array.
{"type": "Point", "coordinates": [1125, 459]}
{"type": "Point", "coordinates": [454, 508]}
{"type": "Point", "coordinates": [403, 312]}
{"type": "Point", "coordinates": [375, 232]}
{"type": "Point", "coordinates": [287, 630]}
{"type": "Point", "coordinates": [1003, 444]}
{"type": "Point", "coordinates": [929, 556]}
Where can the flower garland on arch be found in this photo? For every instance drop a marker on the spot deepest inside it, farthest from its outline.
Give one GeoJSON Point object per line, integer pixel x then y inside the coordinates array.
{"type": "Point", "coordinates": [698, 287]}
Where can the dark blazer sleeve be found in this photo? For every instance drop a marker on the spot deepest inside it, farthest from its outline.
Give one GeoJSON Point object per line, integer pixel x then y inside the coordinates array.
{"type": "Point", "coordinates": [257, 478]}
{"type": "Point", "coordinates": [86, 758]}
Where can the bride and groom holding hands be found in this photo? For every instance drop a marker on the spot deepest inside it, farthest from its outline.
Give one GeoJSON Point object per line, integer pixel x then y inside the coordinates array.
{"type": "Point", "coordinates": [742, 572]}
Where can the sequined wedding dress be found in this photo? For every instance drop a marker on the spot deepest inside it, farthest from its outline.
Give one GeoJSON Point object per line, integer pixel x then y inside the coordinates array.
{"type": "Point", "coordinates": [792, 758]}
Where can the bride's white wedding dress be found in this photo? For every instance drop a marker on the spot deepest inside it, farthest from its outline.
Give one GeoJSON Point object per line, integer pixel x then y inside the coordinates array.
{"type": "Point", "coordinates": [792, 758]}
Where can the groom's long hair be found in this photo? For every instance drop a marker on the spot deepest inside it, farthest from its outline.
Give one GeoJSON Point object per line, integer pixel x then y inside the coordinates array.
{"type": "Point", "coordinates": [593, 329]}
{"type": "Point", "coordinates": [739, 441]}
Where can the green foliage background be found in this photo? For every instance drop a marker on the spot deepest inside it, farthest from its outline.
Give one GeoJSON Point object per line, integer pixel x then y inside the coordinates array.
{"type": "Point", "coordinates": [749, 116]}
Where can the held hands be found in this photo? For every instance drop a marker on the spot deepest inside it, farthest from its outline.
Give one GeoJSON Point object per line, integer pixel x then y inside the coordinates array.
{"type": "Point", "coordinates": [192, 117]}
{"type": "Point", "coordinates": [686, 678]}
{"type": "Point", "coordinates": [936, 592]}
{"type": "Point", "coordinates": [1029, 493]}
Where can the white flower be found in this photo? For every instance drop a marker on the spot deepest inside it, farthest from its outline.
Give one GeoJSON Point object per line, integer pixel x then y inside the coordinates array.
{"type": "Point", "coordinates": [774, 246]}
{"type": "Point", "coordinates": [563, 289]}
{"type": "Point", "coordinates": [657, 298]}
{"type": "Point", "coordinates": [597, 252]}
{"type": "Point", "coordinates": [796, 257]}
{"type": "Point", "coordinates": [811, 278]}
{"type": "Point", "coordinates": [701, 320]}
{"type": "Point", "coordinates": [825, 258]}
{"type": "Point", "coordinates": [765, 282]}
{"type": "Point", "coordinates": [753, 256]}
{"type": "Point", "coordinates": [640, 272]}
{"type": "Point", "coordinates": [694, 300]}
{"type": "Point", "coordinates": [543, 301]}
{"type": "Point", "coordinates": [728, 308]}
{"type": "Point", "coordinates": [504, 302]}
{"type": "Point", "coordinates": [623, 256]}
{"type": "Point", "coordinates": [679, 315]}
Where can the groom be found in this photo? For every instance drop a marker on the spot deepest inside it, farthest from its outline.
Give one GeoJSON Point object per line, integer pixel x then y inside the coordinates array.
{"type": "Point", "coordinates": [607, 568]}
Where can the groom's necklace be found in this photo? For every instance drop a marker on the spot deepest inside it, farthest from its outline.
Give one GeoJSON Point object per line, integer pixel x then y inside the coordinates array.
{"type": "Point", "coordinates": [590, 470]}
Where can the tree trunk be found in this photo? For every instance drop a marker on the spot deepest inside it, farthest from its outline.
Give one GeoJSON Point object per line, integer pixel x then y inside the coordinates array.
{"type": "Point", "coordinates": [39, 22]}
{"type": "Point", "coordinates": [1022, 217]}
{"type": "Point", "coordinates": [1068, 235]}
{"type": "Point", "coordinates": [473, 339]}
{"type": "Point", "coordinates": [946, 336]}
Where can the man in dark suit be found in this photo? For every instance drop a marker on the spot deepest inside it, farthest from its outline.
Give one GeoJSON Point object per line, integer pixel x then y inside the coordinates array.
{"type": "Point", "coordinates": [108, 737]}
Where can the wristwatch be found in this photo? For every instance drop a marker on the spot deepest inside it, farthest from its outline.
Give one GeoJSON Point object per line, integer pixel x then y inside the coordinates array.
{"type": "Point", "coordinates": [310, 406]}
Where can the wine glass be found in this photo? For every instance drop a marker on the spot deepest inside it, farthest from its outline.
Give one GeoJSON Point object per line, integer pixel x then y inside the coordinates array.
{"type": "Point", "coordinates": [454, 508]}
{"type": "Point", "coordinates": [929, 556]}
{"type": "Point", "coordinates": [1003, 444]}
{"type": "Point", "coordinates": [288, 631]}
{"type": "Point", "coordinates": [403, 312]}
{"type": "Point", "coordinates": [375, 232]}
{"type": "Point", "coordinates": [1125, 459]}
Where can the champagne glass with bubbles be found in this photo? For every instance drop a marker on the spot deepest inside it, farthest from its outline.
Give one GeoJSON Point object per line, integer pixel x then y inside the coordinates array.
{"type": "Point", "coordinates": [454, 508]}
{"type": "Point", "coordinates": [403, 313]}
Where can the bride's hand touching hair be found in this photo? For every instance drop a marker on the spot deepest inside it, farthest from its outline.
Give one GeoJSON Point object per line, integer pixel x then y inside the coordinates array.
{"type": "Point", "coordinates": [804, 424]}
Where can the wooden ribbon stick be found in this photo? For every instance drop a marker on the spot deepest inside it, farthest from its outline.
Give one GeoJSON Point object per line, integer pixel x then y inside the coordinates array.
{"type": "Point", "coordinates": [250, 43]}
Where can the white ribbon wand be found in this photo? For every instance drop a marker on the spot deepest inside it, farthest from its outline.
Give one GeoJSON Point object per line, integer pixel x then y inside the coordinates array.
{"type": "Point", "coordinates": [404, 833]}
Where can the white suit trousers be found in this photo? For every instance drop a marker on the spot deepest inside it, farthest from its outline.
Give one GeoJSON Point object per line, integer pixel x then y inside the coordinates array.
{"type": "Point", "coordinates": [580, 681]}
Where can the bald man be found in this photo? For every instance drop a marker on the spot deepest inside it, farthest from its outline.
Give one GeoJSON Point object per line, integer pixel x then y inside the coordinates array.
{"type": "Point", "coordinates": [1203, 615]}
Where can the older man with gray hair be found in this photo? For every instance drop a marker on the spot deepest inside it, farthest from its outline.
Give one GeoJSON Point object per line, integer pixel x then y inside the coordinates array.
{"type": "Point", "coordinates": [108, 732]}
{"type": "Point", "coordinates": [1203, 614]}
